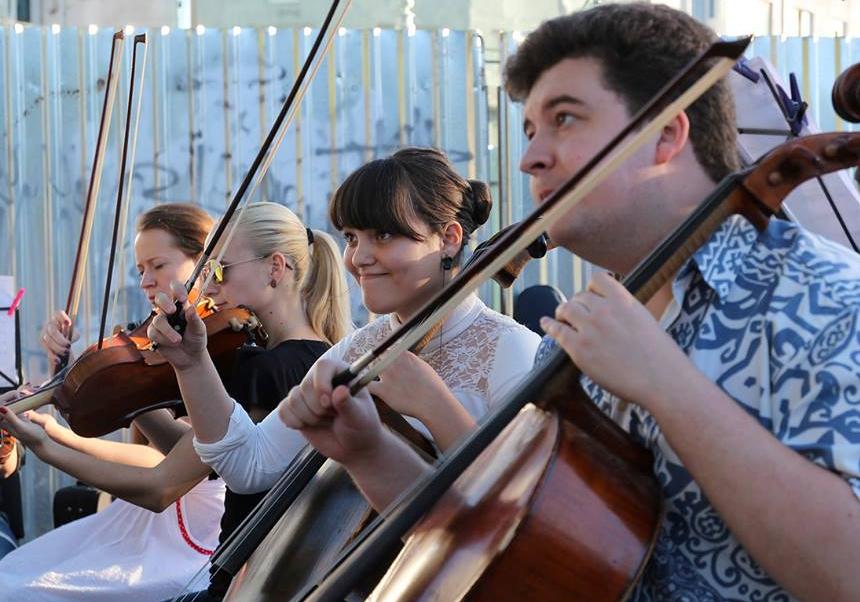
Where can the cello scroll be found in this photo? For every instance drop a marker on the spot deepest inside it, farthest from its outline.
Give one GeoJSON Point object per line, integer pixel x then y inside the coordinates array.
{"type": "Point", "coordinates": [802, 159]}
{"type": "Point", "coordinates": [846, 94]}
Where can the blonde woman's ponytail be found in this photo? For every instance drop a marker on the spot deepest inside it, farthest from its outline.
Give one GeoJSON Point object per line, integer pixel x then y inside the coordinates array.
{"type": "Point", "coordinates": [317, 272]}
{"type": "Point", "coordinates": [325, 291]}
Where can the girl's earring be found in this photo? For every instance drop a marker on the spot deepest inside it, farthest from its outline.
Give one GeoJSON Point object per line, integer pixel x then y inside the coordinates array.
{"type": "Point", "coordinates": [447, 263]}
{"type": "Point", "coordinates": [273, 283]}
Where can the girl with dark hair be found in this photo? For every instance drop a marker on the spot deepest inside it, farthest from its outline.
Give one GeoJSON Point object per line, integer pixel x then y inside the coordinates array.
{"type": "Point", "coordinates": [405, 221]}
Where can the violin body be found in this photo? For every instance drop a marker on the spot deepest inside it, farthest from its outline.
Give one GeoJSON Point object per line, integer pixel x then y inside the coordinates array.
{"type": "Point", "coordinates": [106, 388]}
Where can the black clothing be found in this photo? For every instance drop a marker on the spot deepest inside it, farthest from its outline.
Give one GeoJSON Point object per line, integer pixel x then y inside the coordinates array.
{"type": "Point", "coordinates": [10, 501]}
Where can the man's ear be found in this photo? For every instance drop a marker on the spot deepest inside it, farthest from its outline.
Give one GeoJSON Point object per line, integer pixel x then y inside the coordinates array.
{"type": "Point", "coordinates": [452, 239]}
{"type": "Point", "coordinates": [673, 138]}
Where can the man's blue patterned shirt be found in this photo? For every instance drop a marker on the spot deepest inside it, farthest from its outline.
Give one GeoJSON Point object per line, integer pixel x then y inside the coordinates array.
{"type": "Point", "coordinates": [772, 318]}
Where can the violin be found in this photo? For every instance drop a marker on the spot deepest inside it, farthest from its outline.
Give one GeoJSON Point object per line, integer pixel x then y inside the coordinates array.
{"type": "Point", "coordinates": [122, 376]}
{"type": "Point", "coordinates": [105, 389]}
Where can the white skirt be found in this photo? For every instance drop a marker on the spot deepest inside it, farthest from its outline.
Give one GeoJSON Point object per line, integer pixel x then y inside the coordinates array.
{"type": "Point", "coordinates": [121, 553]}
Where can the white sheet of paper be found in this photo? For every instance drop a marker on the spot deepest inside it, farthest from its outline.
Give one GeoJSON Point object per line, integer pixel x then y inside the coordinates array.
{"type": "Point", "coordinates": [7, 332]}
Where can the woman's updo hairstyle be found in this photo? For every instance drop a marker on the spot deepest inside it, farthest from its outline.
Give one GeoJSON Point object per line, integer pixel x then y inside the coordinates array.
{"type": "Point", "coordinates": [412, 185]}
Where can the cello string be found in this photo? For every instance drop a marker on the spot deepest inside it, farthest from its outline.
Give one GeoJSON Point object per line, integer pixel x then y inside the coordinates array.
{"type": "Point", "coordinates": [291, 474]}
{"type": "Point", "coordinates": [839, 217]}
{"type": "Point", "coordinates": [244, 530]}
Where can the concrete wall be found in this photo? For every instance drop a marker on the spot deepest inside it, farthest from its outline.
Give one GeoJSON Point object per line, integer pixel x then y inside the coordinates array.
{"type": "Point", "coordinates": [425, 14]}
{"type": "Point", "coordinates": [730, 17]}
{"type": "Point", "coordinates": [824, 18]}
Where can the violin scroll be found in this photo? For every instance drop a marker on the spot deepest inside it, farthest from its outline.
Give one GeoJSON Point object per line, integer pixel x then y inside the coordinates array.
{"type": "Point", "coordinates": [846, 94]}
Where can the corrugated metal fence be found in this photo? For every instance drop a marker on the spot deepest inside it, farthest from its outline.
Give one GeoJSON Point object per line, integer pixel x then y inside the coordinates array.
{"type": "Point", "coordinates": [210, 96]}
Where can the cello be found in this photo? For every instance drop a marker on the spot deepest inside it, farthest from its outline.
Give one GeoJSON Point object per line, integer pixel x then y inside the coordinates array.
{"type": "Point", "coordinates": [317, 523]}
{"type": "Point", "coordinates": [557, 491]}
{"type": "Point", "coordinates": [508, 528]}
{"type": "Point", "coordinates": [620, 483]}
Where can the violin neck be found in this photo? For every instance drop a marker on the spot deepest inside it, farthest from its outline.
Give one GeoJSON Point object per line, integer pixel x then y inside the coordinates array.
{"type": "Point", "coordinates": [34, 401]}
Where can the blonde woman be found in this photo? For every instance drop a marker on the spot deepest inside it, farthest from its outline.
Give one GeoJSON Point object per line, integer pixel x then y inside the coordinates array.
{"type": "Point", "coordinates": [292, 278]}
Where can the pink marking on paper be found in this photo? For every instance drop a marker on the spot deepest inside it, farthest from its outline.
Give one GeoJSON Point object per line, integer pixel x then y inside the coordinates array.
{"type": "Point", "coordinates": [16, 301]}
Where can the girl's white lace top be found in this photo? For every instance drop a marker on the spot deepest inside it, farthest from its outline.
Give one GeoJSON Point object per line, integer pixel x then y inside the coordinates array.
{"type": "Point", "coordinates": [480, 354]}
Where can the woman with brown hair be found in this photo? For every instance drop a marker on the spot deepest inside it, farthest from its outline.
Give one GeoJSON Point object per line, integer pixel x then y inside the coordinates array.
{"type": "Point", "coordinates": [292, 278]}
{"type": "Point", "coordinates": [106, 554]}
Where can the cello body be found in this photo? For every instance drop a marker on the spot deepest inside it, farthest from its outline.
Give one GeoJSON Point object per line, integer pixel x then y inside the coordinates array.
{"type": "Point", "coordinates": [563, 498]}
{"type": "Point", "coordinates": [325, 517]}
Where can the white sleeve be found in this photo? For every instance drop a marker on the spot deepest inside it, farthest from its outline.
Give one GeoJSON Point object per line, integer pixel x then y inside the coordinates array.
{"type": "Point", "coordinates": [515, 356]}
{"type": "Point", "coordinates": [251, 457]}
